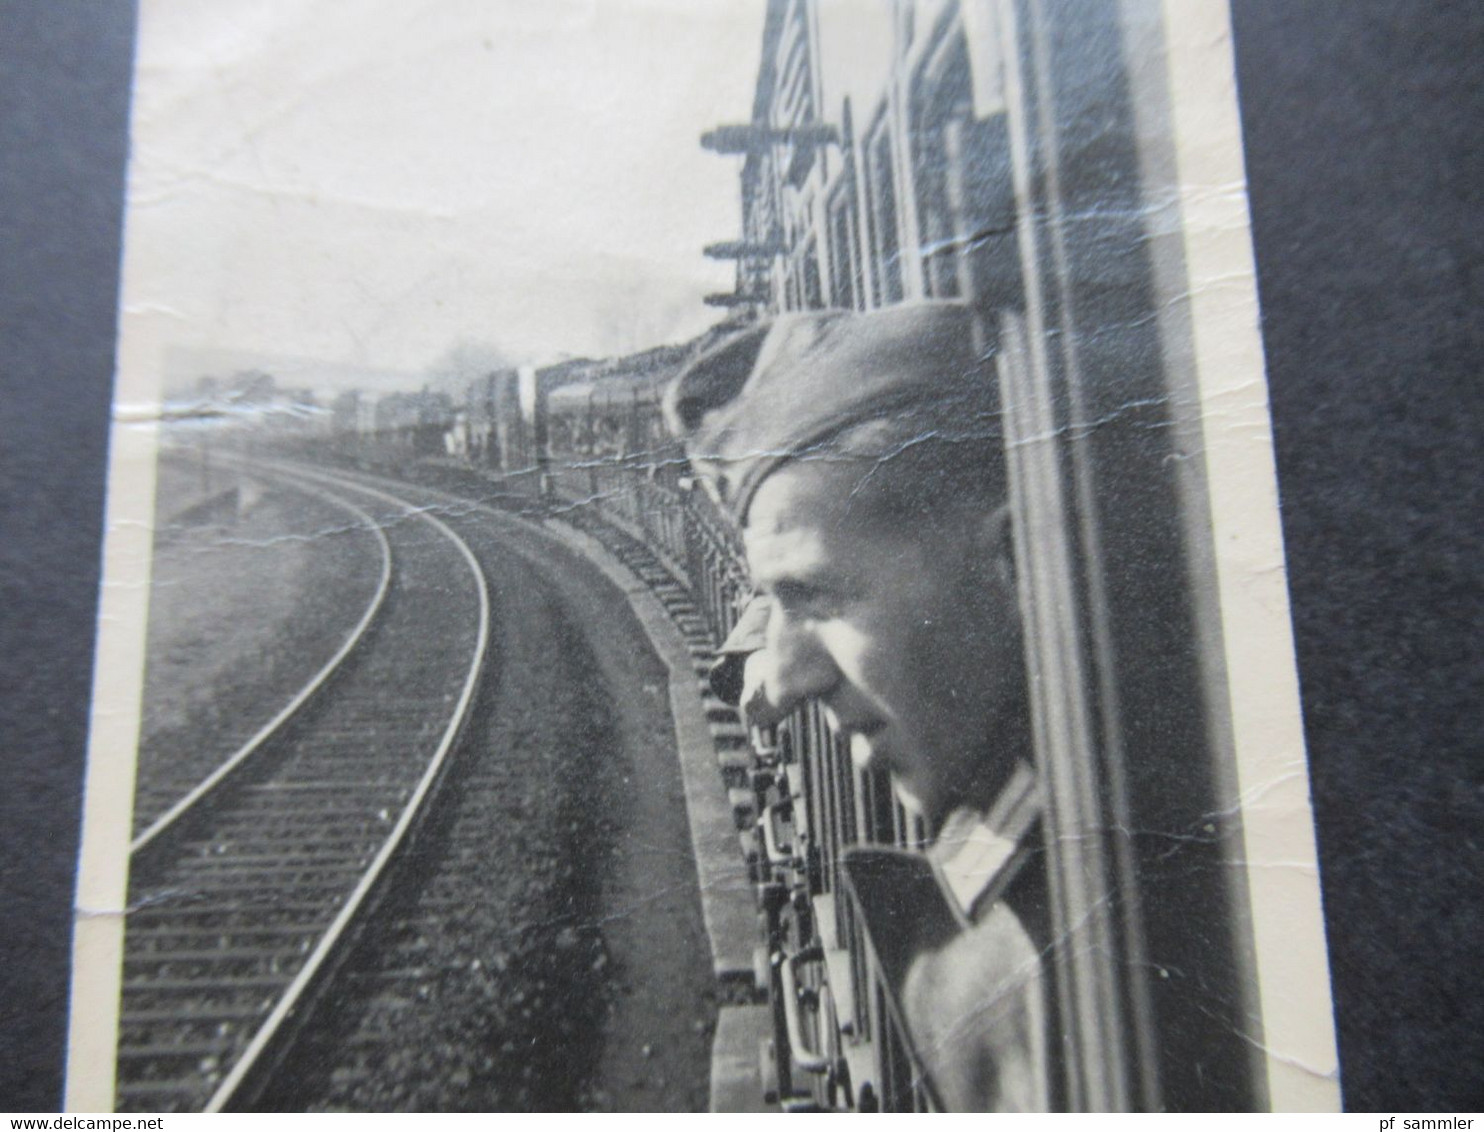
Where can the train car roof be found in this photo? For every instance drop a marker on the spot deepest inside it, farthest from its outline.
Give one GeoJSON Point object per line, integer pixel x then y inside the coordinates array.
{"type": "Point", "coordinates": [619, 391]}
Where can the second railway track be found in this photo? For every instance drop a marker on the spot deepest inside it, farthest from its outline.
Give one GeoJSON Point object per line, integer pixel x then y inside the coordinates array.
{"type": "Point", "coordinates": [241, 898]}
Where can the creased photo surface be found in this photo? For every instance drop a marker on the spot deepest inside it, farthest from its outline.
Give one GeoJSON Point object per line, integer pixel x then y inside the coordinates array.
{"type": "Point", "coordinates": [693, 557]}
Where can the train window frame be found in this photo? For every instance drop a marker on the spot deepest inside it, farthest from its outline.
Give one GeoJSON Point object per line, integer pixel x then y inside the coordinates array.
{"type": "Point", "coordinates": [844, 258]}
{"type": "Point", "coordinates": [884, 216]}
{"type": "Point", "coordinates": [935, 111]}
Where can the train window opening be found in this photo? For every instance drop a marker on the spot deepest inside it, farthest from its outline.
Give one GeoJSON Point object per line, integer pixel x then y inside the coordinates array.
{"type": "Point", "coordinates": [844, 831]}
{"type": "Point", "coordinates": [812, 285]}
{"type": "Point", "coordinates": [883, 808]}
{"type": "Point", "coordinates": [825, 849]}
{"type": "Point", "coordinates": [845, 778]}
{"type": "Point", "coordinates": [807, 834]}
{"type": "Point", "coordinates": [941, 102]}
{"type": "Point", "coordinates": [886, 250]}
{"type": "Point", "coordinates": [844, 246]}
{"type": "Point", "coordinates": [852, 939]}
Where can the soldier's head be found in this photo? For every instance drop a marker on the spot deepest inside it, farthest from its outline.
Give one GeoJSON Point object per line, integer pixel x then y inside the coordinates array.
{"type": "Point", "coordinates": [860, 455]}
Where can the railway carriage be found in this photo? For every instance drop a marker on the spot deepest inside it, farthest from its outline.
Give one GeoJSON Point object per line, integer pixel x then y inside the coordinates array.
{"type": "Point", "coordinates": [1014, 155]}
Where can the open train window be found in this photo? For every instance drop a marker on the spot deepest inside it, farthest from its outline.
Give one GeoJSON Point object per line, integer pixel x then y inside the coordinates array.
{"type": "Point", "coordinates": [882, 213]}
{"type": "Point", "coordinates": [941, 108]}
{"type": "Point", "coordinates": [844, 245]}
{"type": "Point", "coordinates": [810, 283]}
{"type": "Point", "coordinates": [1041, 193]}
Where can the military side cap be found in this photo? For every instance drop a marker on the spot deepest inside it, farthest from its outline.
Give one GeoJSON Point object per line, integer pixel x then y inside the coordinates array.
{"type": "Point", "coordinates": [748, 635]}
{"type": "Point", "coordinates": [781, 390]}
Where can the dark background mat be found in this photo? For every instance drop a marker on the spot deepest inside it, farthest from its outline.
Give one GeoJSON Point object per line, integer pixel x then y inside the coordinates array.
{"type": "Point", "coordinates": [1363, 121]}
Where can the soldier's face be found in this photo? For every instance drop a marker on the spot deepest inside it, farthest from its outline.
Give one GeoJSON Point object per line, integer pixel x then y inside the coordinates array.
{"type": "Point", "coordinates": [907, 631]}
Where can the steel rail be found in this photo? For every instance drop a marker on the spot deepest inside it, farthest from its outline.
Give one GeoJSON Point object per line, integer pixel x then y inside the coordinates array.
{"type": "Point", "coordinates": [264, 733]}
{"type": "Point", "coordinates": [348, 911]}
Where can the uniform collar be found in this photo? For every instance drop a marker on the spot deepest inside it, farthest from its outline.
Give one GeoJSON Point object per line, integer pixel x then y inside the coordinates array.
{"type": "Point", "coordinates": [977, 854]}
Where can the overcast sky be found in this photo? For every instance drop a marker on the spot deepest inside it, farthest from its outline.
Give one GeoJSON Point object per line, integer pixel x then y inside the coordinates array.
{"type": "Point", "coordinates": [372, 182]}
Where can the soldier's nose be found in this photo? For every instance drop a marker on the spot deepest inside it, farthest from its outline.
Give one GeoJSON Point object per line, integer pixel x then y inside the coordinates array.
{"type": "Point", "coordinates": [796, 667]}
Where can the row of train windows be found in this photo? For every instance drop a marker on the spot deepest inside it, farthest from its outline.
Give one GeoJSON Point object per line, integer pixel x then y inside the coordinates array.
{"type": "Point", "coordinates": [858, 277]}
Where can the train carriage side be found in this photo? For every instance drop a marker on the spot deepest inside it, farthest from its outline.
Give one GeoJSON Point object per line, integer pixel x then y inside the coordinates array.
{"type": "Point", "coordinates": [1002, 163]}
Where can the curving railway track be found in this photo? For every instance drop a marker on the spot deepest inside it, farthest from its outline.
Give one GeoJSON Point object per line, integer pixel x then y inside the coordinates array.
{"type": "Point", "coordinates": [169, 792]}
{"type": "Point", "coordinates": [246, 885]}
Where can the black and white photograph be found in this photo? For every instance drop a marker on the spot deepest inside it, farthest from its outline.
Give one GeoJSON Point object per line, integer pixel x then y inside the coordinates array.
{"type": "Point", "coordinates": [693, 557]}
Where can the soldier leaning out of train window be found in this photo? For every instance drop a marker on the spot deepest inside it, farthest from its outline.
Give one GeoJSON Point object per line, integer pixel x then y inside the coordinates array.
{"type": "Point", "coordinates": [860, 456]}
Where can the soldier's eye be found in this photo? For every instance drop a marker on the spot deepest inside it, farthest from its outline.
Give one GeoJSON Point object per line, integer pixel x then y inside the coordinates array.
{"type": "Point", "coordinates": [802, 599]}
{"type": "Point", "coordinates": [792, 596]}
